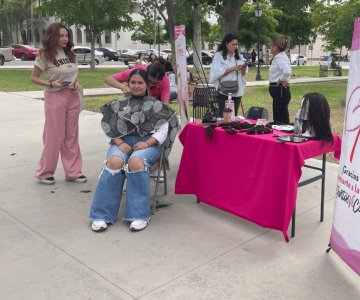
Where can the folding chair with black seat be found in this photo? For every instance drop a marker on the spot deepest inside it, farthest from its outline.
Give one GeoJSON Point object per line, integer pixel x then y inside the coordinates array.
{"type": "Point", "coordinates": [203, 98]}
{"type": "Point", "coordinates": [160, 176]}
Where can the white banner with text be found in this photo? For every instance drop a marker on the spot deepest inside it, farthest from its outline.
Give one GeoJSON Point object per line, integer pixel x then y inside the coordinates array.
{"type": "Point", "coordinates": [345, 235]}
{"type": "Point", "coordinates": [181, 73]}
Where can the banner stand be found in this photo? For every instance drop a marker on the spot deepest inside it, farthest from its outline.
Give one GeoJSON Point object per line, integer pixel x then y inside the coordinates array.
{"type": "Point", "coordinates": [345, 235]}
{"type": "Point", "coordinates": [181, 73]}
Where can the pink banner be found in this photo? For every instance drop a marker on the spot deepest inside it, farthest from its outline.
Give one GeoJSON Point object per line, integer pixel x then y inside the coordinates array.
{"type": "Point", "coordinates": [181, 73]}
{"type": "Point", "coordinates": [356, 36]}
{"type": "Point", "coordinates": [345, 236]}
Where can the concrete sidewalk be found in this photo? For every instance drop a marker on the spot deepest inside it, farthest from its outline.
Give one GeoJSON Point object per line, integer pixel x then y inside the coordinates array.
{"type": "Point", "coordinates": [189, 250]}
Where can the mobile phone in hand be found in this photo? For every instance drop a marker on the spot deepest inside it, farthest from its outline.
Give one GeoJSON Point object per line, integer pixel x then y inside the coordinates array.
{"type": "Point", "coordinates": [65, 82]}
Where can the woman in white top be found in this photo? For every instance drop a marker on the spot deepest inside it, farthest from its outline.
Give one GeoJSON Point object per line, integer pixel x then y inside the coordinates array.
{"type": "Point", "coordinates": [280, 72]}
{"type": "Point", "coordinates": [228, 64]}
{"type": "Point", "coordinates": [62, 105]}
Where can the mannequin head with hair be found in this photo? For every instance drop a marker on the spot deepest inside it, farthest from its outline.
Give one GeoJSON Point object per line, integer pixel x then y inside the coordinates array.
{"type": "Point", "coordinates": [315, 112]}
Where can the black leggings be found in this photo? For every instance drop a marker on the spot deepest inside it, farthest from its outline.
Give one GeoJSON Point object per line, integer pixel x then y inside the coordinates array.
{"type": "Point", "coordinates": [281, 97]}
{"type": "Point", "coordinates": [221, 101]}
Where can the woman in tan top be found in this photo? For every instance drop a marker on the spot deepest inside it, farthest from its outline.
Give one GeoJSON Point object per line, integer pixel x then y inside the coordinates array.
{"type": "Point", "coordinates": [62, 105]}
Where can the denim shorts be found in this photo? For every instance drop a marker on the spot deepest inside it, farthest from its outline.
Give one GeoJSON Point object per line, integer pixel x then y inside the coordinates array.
{"type": "Point", "coordinates": [150, 155]}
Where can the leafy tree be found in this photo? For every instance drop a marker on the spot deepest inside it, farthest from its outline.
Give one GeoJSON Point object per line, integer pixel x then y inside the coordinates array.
{"type": "Point", "coordinates": [12, 15]}
{"type": "Point", "coordinates": [215, 35]}
{"type": "Point", "coordinates": [296, 20]}
{"type": "Point", "coordinates": [95, 15]}
{"type": "Point", "coordinates": [228, 12]}
{"type": "Point", "coordinates": [180, 12]}
{"type": "Point", "coordinates": [336, 22]}
{"type": "Point", "coordinates": [247, 30]}
{"type": "Point", "coordinates": [144, 32]}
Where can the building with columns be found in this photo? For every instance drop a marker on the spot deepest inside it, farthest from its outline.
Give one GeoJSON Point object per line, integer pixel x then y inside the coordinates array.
{"type": "Point", "coordinates": [122, 39]}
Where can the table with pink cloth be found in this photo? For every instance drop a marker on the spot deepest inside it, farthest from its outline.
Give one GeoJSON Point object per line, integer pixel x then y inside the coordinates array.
{"type": "Point", "coordinates": [251, 176]}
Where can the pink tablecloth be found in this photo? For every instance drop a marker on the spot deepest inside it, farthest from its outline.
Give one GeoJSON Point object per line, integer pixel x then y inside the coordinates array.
{"type": "Point", "coordinates": [251, 176]}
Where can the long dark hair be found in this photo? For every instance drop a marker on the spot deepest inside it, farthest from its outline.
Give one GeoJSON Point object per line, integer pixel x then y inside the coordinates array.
{"type": "Point", "coordinates": [144, 76]}
{"type": "Point", "coordinates": [222, 47]}
{"type": "Point", "coordinates": [318, 116]}
{"type": "Point", "coordinates": [50, 42]}
{"type": "Point", "coordinates": [152, 57]}
{"type": "Point", "coordinates": [157, 69]}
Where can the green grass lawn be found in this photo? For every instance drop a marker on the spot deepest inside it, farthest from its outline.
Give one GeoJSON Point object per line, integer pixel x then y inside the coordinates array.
{"type": "Point", "coordinates": [298, 72]}
{"type": "Point", "coordinates": [334, 91]}
{"type": "Point", "coordinates": [13, 80]}
{"type": "Point", "coordinates": [19, 80]}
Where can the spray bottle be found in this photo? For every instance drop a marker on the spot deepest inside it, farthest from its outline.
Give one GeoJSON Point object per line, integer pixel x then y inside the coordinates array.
{"type": "Point", "coordinates": [229, 103]}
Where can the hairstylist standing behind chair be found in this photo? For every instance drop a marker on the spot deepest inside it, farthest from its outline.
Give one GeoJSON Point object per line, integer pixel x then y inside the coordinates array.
{"type": "Point", "coordinates": [62, 105]}
{"type": "Point", "coordinates": [228, 65]}
{"type": "Point", "coordinates": [159, 84]}
{"type": "Point", "coordinates": [280, 72]}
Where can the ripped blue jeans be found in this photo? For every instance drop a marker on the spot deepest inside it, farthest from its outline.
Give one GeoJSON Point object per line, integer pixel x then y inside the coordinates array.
{"type": "Point", "coordinates": [107, 197]}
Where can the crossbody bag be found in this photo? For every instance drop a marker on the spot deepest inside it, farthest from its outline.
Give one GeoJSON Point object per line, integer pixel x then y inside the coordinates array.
{"type": "Point", "coordinates": [229, 86]}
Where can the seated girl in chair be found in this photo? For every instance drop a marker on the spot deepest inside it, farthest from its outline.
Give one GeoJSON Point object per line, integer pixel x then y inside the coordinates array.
{"type": "Point", "coordinates": [137, 126]}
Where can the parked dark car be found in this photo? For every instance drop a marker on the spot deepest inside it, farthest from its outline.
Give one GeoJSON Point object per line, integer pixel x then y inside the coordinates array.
{"type": "Point", "coordinates": [206, 58]}
{"type": "Point", "coordinates": [127, 55]}
{"type": "Point", "coordinates": [24, 52]}
{"type": "Point", "coordinates": [145, 52]}
{"type": "Point", "coordinates": [336, 56]}
{"type": "Point", "coordinates": [109, 54]}
{"type": "Point", "coordinates": [246, 55]}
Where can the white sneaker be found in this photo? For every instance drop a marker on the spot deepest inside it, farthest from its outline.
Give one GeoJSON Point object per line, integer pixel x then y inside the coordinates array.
{"type": "Point", "coordinates": [161, 178]}
{"type": "Point", "coordinates": [80, 179]}
{"type": "Point", "coordinates": [137, 225]}
{"type": "Point", "coordinates": [48, 180]}
{"type": "Point", "coordinates": [98, 225]}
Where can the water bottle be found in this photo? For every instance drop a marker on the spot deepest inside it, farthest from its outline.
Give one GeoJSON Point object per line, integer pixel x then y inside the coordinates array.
{"type": "Point", "coordinates": [298, 124]}
{"type": "Point", "coordinates": [229, 103]}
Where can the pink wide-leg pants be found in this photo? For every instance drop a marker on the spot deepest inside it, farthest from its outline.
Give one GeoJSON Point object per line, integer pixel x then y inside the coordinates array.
{"type": "Point", "coordinates": [61, 135]}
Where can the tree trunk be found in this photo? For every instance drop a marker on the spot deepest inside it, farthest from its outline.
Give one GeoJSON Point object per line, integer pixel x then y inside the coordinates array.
{"type": "Point", "coordinates": [197, 38]}
{"type": "Point", "coordinates": [155, 31]}
{"type": "Point", "coordinates": [298, 60]}
{"type": "Point", "coordinates": [92, 40]}
{"type": "Point", "coordinates": [339, 56]}
{"type": "Point", "coordinates": [231, 15]}
{"type": "Point", "coordinates": [100, 41]}
{"type": "Point", "coordinates": [170, 25]}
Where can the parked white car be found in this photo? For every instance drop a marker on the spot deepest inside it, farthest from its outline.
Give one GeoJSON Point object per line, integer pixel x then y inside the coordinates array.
{"type": "Point", "coordinates": [162, 54]}
{"type": "Point", "coordinates": [294, 58]}
{"type": "Point", "coordinates": [83, 55]}
{"type": "Point", "coordinates": [167, 51]}
{"type": "Point", "coordinates": [5, 55]}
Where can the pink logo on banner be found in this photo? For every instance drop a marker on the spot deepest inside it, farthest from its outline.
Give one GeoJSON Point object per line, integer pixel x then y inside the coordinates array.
{"type": "Point", "coordinates": [179, 30]}
{"type": "Point", "coordinates": [356, 40]}
{"type": "Point", "coordinates": [352, 117]}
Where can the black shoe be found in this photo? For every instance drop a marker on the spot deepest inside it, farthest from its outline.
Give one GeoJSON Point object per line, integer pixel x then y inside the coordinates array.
{"type": "Point", "coordinates": [48, 181]}
{"type": "Point", "coordinates": [80, 179]}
